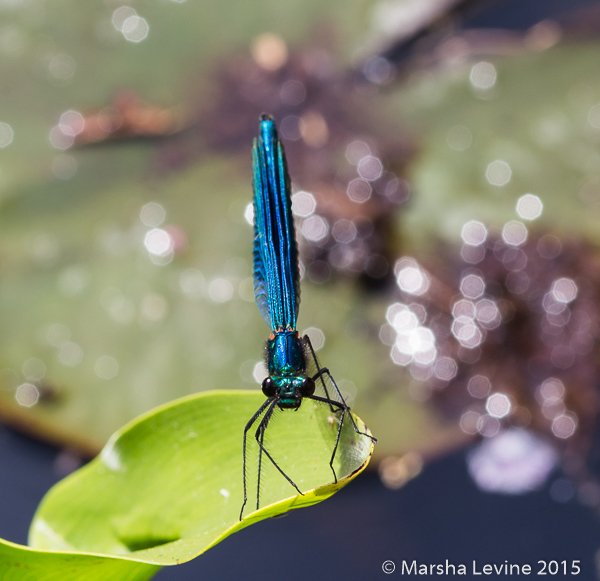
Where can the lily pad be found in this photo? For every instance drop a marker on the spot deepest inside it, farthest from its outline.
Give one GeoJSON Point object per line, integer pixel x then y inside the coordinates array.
{"type": "Point", "coordinates": [115, 334]}
{"type": "Point", "coordinates": [168, 486]}
{"type": "Point", "coordinates": [539, 119]}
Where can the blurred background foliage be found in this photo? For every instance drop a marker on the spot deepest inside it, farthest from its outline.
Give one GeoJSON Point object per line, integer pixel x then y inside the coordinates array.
{"type": "Point", "coordinates": [125, 237]}
{"type": "Point", "coordinates": [78, 284]}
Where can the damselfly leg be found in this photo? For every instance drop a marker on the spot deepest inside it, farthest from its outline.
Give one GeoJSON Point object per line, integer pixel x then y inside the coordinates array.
{"type": "Point", "coordinates": [261, 443]}
{"type": "Point", "coordinates": [259, 436]}
{"type": "Point", "coordinates": [253, 419]}
{"type": "Point", "coordinates": [260, 433]}
{"type": "Point", "coordinates": [335, 406]}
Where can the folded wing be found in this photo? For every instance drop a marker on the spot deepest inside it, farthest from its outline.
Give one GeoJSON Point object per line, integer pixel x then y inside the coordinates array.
{"type": "Point", "coordinates": [276, 276]}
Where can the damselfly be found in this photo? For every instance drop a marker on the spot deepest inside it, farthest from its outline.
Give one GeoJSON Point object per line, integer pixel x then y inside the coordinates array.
{"type": "Point", "coordinates": [277, 293]}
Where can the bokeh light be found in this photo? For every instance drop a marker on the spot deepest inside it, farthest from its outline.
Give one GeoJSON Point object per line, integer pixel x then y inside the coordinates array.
{"type": "Point", "coordinates": [483, 75]}
{"type": "Point", "coordinates": [529, 207]}
{"type": "Point", "coordinates": [6, 134]}
{"type": "Point", "coordinates": [479, 386]}
{"type": "Point", "coordinates": [498, 405]}
{"type": "Point", "coordinates": [474, 233]}
{"type": "Point", "coordinates": [62, 67]}
{"type": "Point", "coordinates": [191, 282]}
{"type": "Point", "coordinates": [316, 336]}
{"type": "Point", "coordinates": [514, 233]}
{"type": "Point", "coordinates": [396, 472]}
{"type": "Point", "coordinates": [472, 286]}
{"type": "Point", "coordinates": [27, 395]}
{"type": "Point", "coordinates": [410, 277]}
{"type": "Point", "coordinates": [34, 369]}
{"type": "Point", "coordinates": [498, 173]}
{"type": "Point", "coordinates": [135, 28]}
{"type": "Point", "coordinates": [106, 367]}
{"type": "Point", "coordinates": [513, 462]}
{"type": "Point", "coordinates": [564, 426]}
{"type": "Point", "coordinates": [459, 138]}
{"type": "Point", "coordinates": [370, 168]}
{"type": "Point", "coordinates": [315, 228]}
{"type": "Point", "coordinates": [269, 51]}
{"type": "Point", "coordinates": [359, 190]}
{"type": "Point", "coordinates": [158, 242]}
{"type": "Point", "coordinates": [220, 290]}
{"type": "Point", "coordinates": [152, 214]}
{"type": "Point", "coordinates": [564, 290]}
{"type": "Point", "coordinates": [303, 204]}
{"type": "Point", "coordinates": [71, 123]}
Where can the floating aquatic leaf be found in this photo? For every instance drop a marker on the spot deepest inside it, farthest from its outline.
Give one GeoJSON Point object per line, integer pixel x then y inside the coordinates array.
{"type": "Point", "coordinates": [168, 486]}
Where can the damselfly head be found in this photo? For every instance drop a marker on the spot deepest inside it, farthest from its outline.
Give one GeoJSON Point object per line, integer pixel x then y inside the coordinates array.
{"type": "Point", "coordinates": [288, 390]}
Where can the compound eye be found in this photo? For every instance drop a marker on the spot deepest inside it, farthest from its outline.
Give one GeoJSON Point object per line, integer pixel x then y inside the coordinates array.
{"type": "Point", "coordinates": [307, 387]}
{"type": "Point", "coordinates": [268, 387]}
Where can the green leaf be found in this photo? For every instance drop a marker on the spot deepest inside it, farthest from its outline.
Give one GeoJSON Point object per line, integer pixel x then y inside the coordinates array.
{"type": "Point", "coordinates": [542, 130]}
{"type": "Point", "coordinates": [18, 563]}
{"type": "Point", "coordinates": [168, 486]}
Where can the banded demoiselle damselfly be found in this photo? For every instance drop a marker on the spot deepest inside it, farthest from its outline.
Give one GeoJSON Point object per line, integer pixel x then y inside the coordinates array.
{"type": "Point", "coordinates": [277, 293]}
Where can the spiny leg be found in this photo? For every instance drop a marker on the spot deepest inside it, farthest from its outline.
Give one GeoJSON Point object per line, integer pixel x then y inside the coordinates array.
{"type": "Point", "coordinates": [339, 430]}
{"type": "Point", "coordinates": [321, 371]}
{"type": "Point", "coordinates": [262, 426]}
{"type": "Point", "coordinates": [262, 438]}
{"type": "Point", "coordinates": [318, 375]}
{"type": "Point", "coordinates": [261, 409]}
{"type": "Point", "coordinates": [332, 403]}
{"type": "Point", "coordinates": [260, 432]}
{"type": "Point", "coordinates": [343, 404]}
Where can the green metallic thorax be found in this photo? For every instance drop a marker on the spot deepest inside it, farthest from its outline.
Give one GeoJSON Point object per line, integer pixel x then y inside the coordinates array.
{"type": "Point", "coordinates": [287, 366]}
